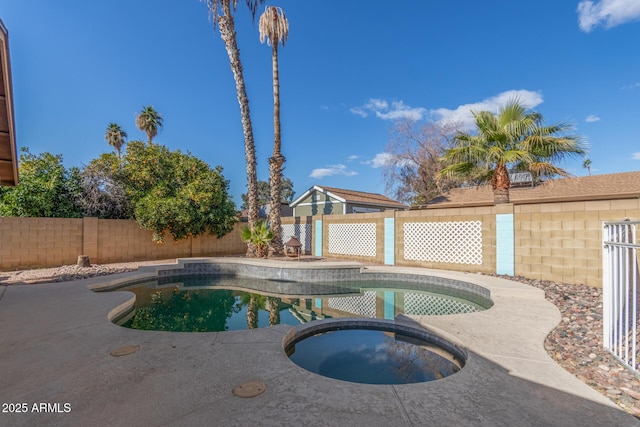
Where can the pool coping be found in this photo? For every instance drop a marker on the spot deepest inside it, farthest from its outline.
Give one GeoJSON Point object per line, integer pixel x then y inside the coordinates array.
{"type": "Point", "coordinates": [62, 331]}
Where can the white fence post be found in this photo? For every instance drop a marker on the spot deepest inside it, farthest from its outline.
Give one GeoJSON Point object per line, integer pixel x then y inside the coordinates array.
{"type": "Point", "coordinates": [620, 271]}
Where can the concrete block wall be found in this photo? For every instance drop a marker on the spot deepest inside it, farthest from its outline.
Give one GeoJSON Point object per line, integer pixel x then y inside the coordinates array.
{"type": "Point", "coordinates": [39, 242]}
{"type": "Point", "coordinates": [562, 241]}
{"type": "Point", "coordinates": [52, 242]}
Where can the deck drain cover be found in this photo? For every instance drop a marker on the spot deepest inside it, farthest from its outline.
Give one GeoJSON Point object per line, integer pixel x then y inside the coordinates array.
{"type": "Point", "coordinates": [124, 351]}
{"type": "Point", "coordinates": [250, 389]}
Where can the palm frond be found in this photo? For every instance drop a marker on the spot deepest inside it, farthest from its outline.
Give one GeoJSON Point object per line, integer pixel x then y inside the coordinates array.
{"type": "Point", "coordinates": [273, 26]}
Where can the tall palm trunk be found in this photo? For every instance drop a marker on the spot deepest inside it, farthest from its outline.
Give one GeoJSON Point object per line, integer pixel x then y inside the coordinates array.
{"type": "Point", "coordinates": [500, 183]}
{"type": "Point", "coordinates": [274, 311]}
{"type": "Point", "coordinates": [228, 35]}
{"type": "Point", "coordinates": [275, 162]}
{"type": "Point", "coordinates": [252, 313]}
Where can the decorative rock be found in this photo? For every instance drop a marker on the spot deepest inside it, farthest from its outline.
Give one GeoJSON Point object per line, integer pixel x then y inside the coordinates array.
{"type": "Point", "coordinates": [632, 393]}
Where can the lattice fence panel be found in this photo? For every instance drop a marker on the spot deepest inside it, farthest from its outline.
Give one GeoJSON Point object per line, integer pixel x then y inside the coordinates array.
{"type": "Point", "coordinates": [302, 232]}
{"type": "Point", "coordinates": [457, 242]}
{"type": "Point", "coordinates": [420, 304]}
{"type": "Point", "coordinates": [364, 305]}
{"type": "Point", "coordinates": [353, 239]}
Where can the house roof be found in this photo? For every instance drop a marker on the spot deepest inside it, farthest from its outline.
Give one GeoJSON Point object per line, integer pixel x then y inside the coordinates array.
{"type": "Point", "coordinates": [596, 187]}
{"type": "Point", "coordinates": [352, 196]}
{"type": "Point", "coordinates": [8, 155]}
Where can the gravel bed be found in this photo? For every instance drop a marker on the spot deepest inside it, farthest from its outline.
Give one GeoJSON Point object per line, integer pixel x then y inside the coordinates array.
{"type": "Point", "coordinates": [576, 343]}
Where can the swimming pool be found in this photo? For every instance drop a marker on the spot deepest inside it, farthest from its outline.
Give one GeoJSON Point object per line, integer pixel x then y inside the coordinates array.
{"type": "Point", "coordinates": [213, 302]}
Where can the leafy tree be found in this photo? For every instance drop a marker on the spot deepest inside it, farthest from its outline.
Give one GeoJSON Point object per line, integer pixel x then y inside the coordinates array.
{"type": "Point", "coordinates": [46, 189]}
{"type": "Point", "coordinates": [187, 311]}
{"type": "Point", "coordinates": [149, 121]}
{"type": "Point", "coordinates": [414, 161]}
{"type": "Point", "coordinates": [103, 193]}
{"type": "Point", "coordinates": [115, 137]}
{"type": "Point", "coordinates": [587, 165]}
{"type": "Point", "coordinates": [514, 138]}
{"type": "Point", "coordinates": [274, 28]}
{"type": "Point", "coordinates": [176, 193]}
{"type": "Point", "coordinates": [264, 193]}
{"type": "Point", "coordinates": [222, 17]}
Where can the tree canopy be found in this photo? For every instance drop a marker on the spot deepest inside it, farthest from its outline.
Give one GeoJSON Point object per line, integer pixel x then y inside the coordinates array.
{"type": "Point", "coordinates": [176, 193]}
{"type": "Point", "coordinates": [166, 192]}
{"type": "Point", "coordinates": [264, 193]}
{"type": "Point", "coordinates": [103, 194]}
{"type": "Point", "coordinates": [46, 188]}
{"type": "Point", "coordinates": [415, 149]}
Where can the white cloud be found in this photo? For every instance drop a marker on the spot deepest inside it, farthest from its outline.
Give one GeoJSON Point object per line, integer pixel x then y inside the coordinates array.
{"type": "Point", "coordinates": [635, 156]}
{"type": "Point", "coordinates": [592, 118]}
{"type": "Point", "coordinates": [359, 111]}
{"type": "Point", "coordinates": [384, 159]}
{"type": "Point", "coordinates": [630, 87]}
{"type": "Point", "coordinates": [609, 13]}
{"type": "Point", "coordinates": [380, 160]}
{"type": "Point", "coordinates": [382, 110]}
{"type": "Point", "coordinates": [463, 116]}
{"type": "Point", "coordinates": [353, 157]}
{"type": "Point", "coordinates": [338, 169]}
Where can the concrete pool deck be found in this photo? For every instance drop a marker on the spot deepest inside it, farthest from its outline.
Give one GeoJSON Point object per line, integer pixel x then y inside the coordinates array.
{"type": "Point", "coordinates": [56, 339]}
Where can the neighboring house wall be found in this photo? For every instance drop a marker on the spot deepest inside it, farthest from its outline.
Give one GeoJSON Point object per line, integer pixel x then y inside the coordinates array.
{"type": "Point", "coordinates": [318, 203]}
{"type": "Point", "coordinates": [362, 208]}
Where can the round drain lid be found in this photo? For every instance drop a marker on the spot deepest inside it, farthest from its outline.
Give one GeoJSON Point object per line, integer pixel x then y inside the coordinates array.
{"type": "Point", "coordinates": [250, 389]}
{"type": "Point", "coordinates": [124, 351]}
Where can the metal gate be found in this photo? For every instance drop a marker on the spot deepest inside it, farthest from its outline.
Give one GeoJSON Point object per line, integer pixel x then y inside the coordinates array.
{"type": "Point", "coordinates": [620, 277]}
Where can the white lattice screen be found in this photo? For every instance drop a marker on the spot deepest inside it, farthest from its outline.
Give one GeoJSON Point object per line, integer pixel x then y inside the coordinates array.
{"type": "Point", "coordinates": [420, 304]}
{"type": "Point", "coordinates": [364, 305]}
{"type": "Point", "coordinates": [452, 242]}
{"type": "Point", "coordinates": [302, 232]}
{"type": "Point", "coordinates": [353, 239]}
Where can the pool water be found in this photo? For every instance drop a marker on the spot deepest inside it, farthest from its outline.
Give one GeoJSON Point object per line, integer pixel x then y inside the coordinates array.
{"type": "Point", "coordinates": [372, 356]}
{"type": "Point", "coordinates": [225, 303]}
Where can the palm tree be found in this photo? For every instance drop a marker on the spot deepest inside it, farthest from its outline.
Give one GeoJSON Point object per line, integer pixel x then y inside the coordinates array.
{"type": "Point", "coordinates": [115, 137]}
{"type": "Point", "coordinates": [253, 308]}
{"type": "Point", "coordinates": [512, 138]}
{"type": "Point", "coordinates": [259, 236]}
{"type": "Point", "coordinates": [149, 121]}
{"type": "Point", "coordinates": [274, 310]}
{"type": "Point", "coordinates": [220, 12]}
{"type": "Point", "coordinates": [587, 165]}
{"type": "Point", "coordinates": [274, 28]}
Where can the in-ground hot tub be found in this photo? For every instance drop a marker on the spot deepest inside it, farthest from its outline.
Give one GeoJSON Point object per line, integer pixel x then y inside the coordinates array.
{"type": "Point", "coordinates": [373, 352]}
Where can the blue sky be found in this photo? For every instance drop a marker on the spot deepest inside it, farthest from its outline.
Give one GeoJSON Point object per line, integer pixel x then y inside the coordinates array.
{"type": "Point", "coordinates": [347, 72]}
